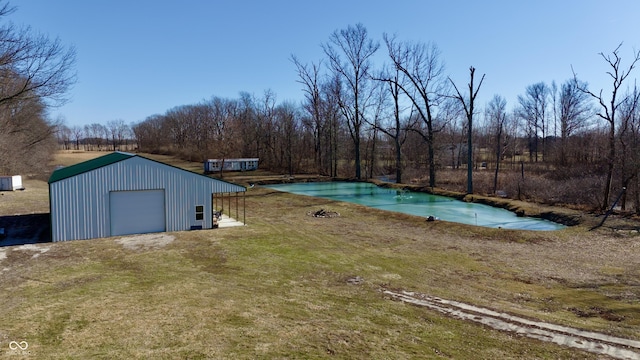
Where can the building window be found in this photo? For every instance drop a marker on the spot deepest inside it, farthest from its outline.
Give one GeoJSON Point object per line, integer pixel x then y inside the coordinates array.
{"type": "Point", "coordinates": [199, 212]}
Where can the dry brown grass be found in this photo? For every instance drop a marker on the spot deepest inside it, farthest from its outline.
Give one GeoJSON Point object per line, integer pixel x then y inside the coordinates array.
{"type": "Point", "coordinates": [278, 288]}
{"type": "Point", "coordinates": [565, 187]}
{"type": "Point", "coordinates": [32, 200]}
{"type": "Point", "coordinates": [71, 157]}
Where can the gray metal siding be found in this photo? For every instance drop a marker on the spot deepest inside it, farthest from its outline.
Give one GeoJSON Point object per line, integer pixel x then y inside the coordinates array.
{"type": "Point", "coordinates": [80, 204]}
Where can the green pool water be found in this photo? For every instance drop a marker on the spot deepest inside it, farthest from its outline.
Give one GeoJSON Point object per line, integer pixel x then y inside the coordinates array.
{"type": "Point", "coordinates": [415, 203]}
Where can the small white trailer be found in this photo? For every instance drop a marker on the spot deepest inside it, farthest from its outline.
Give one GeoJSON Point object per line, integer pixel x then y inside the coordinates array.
{"type": "Point", "coordinates": [243, 164]}
{"type": "Point", "coordinates": [11, 183]}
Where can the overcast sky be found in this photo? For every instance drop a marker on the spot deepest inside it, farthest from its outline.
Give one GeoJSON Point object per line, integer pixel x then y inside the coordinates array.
{"type": "Point", "coordinates": [136, 58]}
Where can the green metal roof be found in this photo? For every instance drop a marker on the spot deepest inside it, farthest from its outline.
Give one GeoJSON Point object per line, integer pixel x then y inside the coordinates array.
{"type": "Point", "coordinates": [73, 170]}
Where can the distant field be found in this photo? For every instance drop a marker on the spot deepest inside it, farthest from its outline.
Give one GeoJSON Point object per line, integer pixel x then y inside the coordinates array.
{"type": "Point", "coordinates": [71, 157]}
{"type": "Point", "coordinates": [281, 287]}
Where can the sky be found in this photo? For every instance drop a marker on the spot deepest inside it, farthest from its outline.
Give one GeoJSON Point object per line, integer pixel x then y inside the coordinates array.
{"type": "Point", "coordinates": [137, 58]}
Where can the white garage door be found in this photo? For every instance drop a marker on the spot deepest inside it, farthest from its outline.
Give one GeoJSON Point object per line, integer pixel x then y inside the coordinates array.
{"type": "Point", "coordinates": [136, 212]}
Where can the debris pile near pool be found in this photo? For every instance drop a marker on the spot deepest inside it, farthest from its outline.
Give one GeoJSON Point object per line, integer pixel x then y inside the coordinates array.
{"type": "Point", "coordinates": [322, 213]}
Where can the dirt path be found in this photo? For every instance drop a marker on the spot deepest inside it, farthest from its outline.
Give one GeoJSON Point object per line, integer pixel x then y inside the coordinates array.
{"type": "Point", "coordinates": [612, 346]}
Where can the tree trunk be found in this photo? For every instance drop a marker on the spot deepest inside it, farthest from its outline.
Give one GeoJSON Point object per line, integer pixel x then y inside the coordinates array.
{"type": "Point", "coordinates": [432, 161]}
{"type": "Point", "coordinates": [636, 191]}
{"type": "Point", "coordinates": [470, 155]}
{"type": "Point", "coordinates": [430, 150]}
{"type": "Point", "coordinates": [333, 161]}
{"type": "Point", "coordinates": [498, 153]}
{"type": "Point", "coordinates": [611, 159]}
{"type": "Point", "coordinates": [398, 161]}
{"type": "Point", "coordinates": [468, 109]}
{"type": "Point", "coordinates": [356, 144]}
{"type": "Point", "coordinates": [372, 157]}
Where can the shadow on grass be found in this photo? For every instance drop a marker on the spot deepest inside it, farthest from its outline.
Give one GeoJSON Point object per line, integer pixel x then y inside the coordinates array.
{"type": "Point", "coordinates": [25, 229]}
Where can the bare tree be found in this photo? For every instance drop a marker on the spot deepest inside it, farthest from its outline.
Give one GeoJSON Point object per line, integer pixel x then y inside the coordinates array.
{"type": "Point", "coordinates": [575, 110]}
{"type": "Point", "coordinates": [35, 72]}
{"type": "Point", "coordinates": [309, 77]}
{"type": "Point", "coordinates": [373, 119]}
{"type": "Point", "coordinates": [265, 115]}
{"type": "Point", "coordinates": [288, 126]}
{"type": "Point", "coordinates": [396, 130]}
{"type": "Point", "coordinates": [224, 113]}
{"type": "Point", "coordinates": [331, 94]}
{"type": "Point", "coordinates": [63, 133]}
{"type": "Point", "coordinates": [354, 44]}
{"type": "Point", "coordinates": [77, 133]}
{"type": "Point", "coordinates": [468, 110]}
{"type": "Point", "coordinates": [32, 65]}
{"type": "Point", "coordinates": [94, 136]}
{"type": "Point", "coordinates": [117, 130]}
{"type": "Point", "coordinates": [454, 134]}
{"type": "Point", "coordinates": [533, 110]}
{"type": "Point", "coordinates": [627, 136]}
{"type": "Point", "coordinates": [101, 134]}
{"type": "Point", "coordinates": [176, 128]}
{"type": "Point", "coordinates": [633, 146]}
{"type": "Point", "coordinates": [248, 125]}
{"type": "Point", "coordinates": [89, 143]}
{"type": "Point", "coordinates": [27, 140]}
{"type": "Point", "coordinates": [149, 134]}
{"type": "Point", "coordinates": [421, 64]}
{"type": "Point", "coordinates": [608, 108]}
{"type": "Point", "coordinates": [496, 115]}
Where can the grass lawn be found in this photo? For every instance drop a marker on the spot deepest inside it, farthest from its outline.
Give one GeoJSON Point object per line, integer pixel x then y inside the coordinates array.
{"type": "Point", "coordinates": [278, 288]}
{"type": "Point", "coordinates": [71, 157]}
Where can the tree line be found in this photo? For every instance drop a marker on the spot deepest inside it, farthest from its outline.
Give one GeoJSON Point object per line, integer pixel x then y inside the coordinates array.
{"type": "Point", "coordinates": [116, 135]}
{"type": "Point", "coordinates": [407, 120]}
{"type": "Point", "coordinates": [403, 119]}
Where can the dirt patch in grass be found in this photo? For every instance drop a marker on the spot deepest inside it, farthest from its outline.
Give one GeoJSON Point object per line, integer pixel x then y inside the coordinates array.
{"type": "Point", "coordinates": [597, 343]}
{"type": "Point", "coordinates": [606, 314]}
{"type": "Point", "coordinates": [22, 254]}
{"type": "Point", "coordinates": [37, 250]}
{"type": "Point", "coordinates": [145, 241]}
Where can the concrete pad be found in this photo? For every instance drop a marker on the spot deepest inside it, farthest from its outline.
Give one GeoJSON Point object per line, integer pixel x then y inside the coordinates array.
{"type": "Point", "coordinates": [226, 221]}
